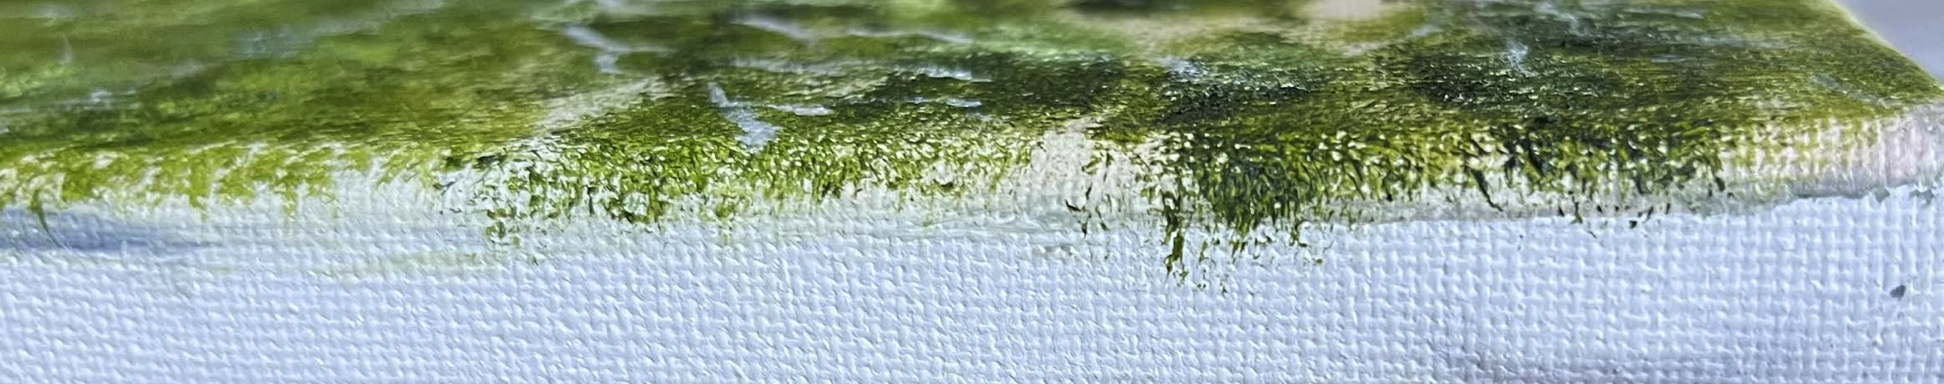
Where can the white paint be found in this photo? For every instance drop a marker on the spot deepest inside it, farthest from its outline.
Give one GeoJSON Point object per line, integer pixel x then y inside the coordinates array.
{"type": "Point", "coordinates": [567, 111]}
{"type": "Point", "coordinates": [611, 50]}
{"type": "Point", "coordinates": [942, 36]}
{"type": "Point", "coordinates": [1345, 10]}
{"type": "Point", "coordinates": [803, 110]}
{"type": "Point", "coordinates": [1182, 67]}
{"type": "Point", "coordinates": [756, 132]}
{"type": "Point", "coordinates": [949, 73]}
{"type": "Point", "coordinates": [780, 66]}
{"type": "Point", "coordinates": [780, 26]}
{"type": "Point", "coordinates": [952, 101]}
{"type": "Point", "coordinates": [1515, 54]}
{"type": "Point", "coordinates": [67, 52]}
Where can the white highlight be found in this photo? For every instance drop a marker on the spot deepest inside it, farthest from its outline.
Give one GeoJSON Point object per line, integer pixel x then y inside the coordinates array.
{"type": "Point", "coordinates": [611, 50]}
{"type": "Point", "coordinates": [756, 132]}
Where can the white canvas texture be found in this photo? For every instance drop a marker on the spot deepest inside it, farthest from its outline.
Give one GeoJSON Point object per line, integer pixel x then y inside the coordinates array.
{"type": "Point", "coordinates": [378, 291]}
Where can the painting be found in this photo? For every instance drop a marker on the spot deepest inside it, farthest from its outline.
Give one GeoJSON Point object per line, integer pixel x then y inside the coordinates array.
{"type": "Point", "coordinates": [1373, 191]}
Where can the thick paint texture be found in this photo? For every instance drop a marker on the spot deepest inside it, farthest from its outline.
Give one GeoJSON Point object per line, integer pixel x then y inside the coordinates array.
{"type": "Point", "coordinates": [1254, 114]}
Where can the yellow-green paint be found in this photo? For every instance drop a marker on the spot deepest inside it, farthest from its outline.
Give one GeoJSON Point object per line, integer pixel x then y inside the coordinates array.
{"type": "Point", "coordinates": [1266, 116]}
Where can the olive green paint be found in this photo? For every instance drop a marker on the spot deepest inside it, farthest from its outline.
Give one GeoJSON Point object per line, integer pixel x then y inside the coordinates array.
{"type": "Point", "coordinates": [403, 94]}
{"type": "Point", "coordinates": [1267, 118]}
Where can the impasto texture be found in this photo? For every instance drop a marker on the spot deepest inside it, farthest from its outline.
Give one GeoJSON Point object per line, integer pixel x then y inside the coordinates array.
{"type": "Point", "coordinates": [965, 191]}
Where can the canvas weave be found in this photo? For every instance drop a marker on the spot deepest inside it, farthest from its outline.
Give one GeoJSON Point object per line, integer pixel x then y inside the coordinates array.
{"type": "Point", "coordinates": [1797, 294]}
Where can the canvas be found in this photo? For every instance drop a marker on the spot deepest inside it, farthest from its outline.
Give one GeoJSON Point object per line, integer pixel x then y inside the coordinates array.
{"type": "Point", "coordinates": [1174, 191]}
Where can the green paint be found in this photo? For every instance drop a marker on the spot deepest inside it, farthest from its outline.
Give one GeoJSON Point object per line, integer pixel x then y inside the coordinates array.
{"type": "Point", "coordinates": [236, 126]}
{"type": "Point", "coordinates": [1267, 118]}
{"type": "Point", "coordinates": [1631, 98]}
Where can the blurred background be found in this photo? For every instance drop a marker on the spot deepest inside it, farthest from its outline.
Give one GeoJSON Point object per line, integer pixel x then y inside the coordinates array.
{"type": "Point", "coordinates": [1915, 27]}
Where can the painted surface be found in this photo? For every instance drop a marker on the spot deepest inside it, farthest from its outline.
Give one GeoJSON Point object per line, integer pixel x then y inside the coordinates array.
{"type": "Point", "coordinates": [1368, 191]}
{"type": "Point", "coordinates": [1234, 117]}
